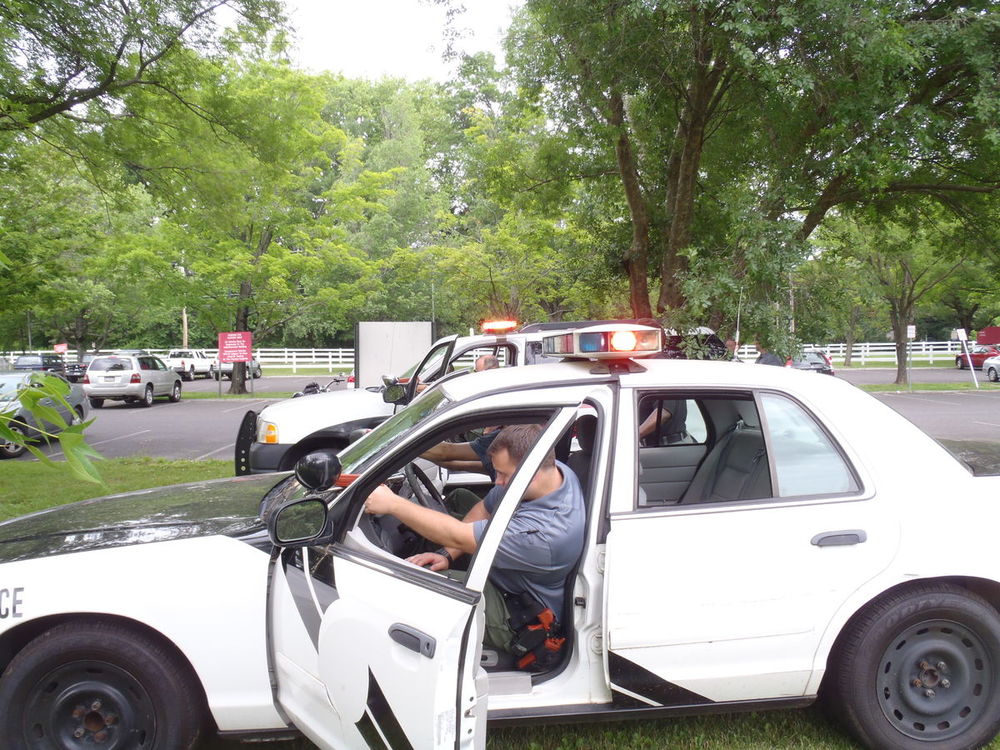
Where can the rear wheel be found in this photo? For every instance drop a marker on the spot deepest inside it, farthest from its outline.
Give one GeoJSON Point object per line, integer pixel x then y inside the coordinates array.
{"type": "Point", "coordinates": [175, 392]}
{"type": "Point", "coordinates": [11, 449]}
{"type": "Point", "coordinates": [992, 374]}
{"type": "Point", "coordinates": [96, 403]}
{"type": "Point", "coordinates": [960, 363]}
{"type": "Point", "coordinates": [147, 396]}
{"type": "Point", "coordinates": [919, 669]}
{"type": "Point", "coordinates": [97, 685]}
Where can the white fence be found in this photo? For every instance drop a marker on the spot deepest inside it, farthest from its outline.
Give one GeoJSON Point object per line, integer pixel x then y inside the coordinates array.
{"type": "Point", "coordinates": [940, 353]}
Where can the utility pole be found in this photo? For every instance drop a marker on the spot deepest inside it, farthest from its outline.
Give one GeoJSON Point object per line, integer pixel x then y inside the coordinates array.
{"type": "Point", "coordinates": [184, 328]}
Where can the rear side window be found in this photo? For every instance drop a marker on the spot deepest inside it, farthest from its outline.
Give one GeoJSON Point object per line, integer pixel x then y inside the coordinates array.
{"type": "Point", "coordinates": [806, 461]}
{"type": "Point", "coordinates": [31, 359]}
{"type": "Point", "coordinates": [111, 363]}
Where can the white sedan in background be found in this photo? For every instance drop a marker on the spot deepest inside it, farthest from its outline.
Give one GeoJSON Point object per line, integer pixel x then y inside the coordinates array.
{"type": "Point", "coordinates": [792, 538]}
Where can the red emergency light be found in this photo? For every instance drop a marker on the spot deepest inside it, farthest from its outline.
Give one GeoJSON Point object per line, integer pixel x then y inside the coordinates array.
{"type": "Point", "coordinates": [498, 326]}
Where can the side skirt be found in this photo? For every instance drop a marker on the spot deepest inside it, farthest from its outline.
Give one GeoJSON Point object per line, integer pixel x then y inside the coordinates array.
{"type": "Point", "coordinates": [607, 712]}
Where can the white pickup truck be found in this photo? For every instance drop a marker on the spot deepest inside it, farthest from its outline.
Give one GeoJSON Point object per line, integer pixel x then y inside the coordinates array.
{"type": "Point", "coordinates": [190, 363]}
{"type": "Point", "coordinates": [282, 433]}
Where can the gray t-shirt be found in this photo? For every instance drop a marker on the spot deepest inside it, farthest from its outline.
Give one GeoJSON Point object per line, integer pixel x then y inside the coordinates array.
{"type": "Point", "coordinates": [542, 543]}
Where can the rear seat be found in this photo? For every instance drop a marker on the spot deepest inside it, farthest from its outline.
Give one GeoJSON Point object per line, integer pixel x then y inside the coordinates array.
{"type": "Point", "coordinates": [736, 468]}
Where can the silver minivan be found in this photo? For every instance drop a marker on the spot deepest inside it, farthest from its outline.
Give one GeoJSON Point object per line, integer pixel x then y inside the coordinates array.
{"type": "Point", "coordinates": [137, 378]}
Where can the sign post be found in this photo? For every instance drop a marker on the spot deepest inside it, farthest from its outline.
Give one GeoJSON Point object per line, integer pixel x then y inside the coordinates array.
{"type": "Point", "coordinates": [911, 333]}
{"type": "Point", "coordinates": [964, 338]}
{"type": "Point", "coordinates": [235, 346]}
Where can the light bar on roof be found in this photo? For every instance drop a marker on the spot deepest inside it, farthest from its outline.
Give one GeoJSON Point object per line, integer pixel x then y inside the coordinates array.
{"type": "Point", "coordinates": [498, 326]}
{"type": "Point", "coordinates": [614, 341]}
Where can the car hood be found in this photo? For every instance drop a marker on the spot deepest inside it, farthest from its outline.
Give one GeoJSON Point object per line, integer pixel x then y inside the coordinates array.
{"type": "Point", "coordinates": [226, 507]}
{"type": "Point", "coordinates": [298, 417]}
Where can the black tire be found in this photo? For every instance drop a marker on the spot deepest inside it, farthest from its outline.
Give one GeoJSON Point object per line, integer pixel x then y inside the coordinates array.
{"type": "Point", "coordinates": [79, 681]}
{"type": "Point", "coordinates": [96, 403]}
{"type": "Point", "coordinates": [215, 374]}
{"type": "Point", "coordinates": [78, 415]}
{"type": "Point", "coordinates": [960, 363]}
{"type": "Point", "coordinates": [920, 669]}
{"type": "Point", "coordinates": [993, 375]}
{"type": "Point", "coordinates": [187, 375]}
{"type": "Point", "coordinates": [175, 392]}
{"type": "Point", "coordinates": [11, 449]}
{"type": "Point", "coordinates": [147, 396]}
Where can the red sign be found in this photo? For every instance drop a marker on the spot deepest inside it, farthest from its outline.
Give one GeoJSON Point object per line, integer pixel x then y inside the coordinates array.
{"type": "Point", "coordinates": [60, 348]}
{"type": "Point", "coordinates": [236, 346]}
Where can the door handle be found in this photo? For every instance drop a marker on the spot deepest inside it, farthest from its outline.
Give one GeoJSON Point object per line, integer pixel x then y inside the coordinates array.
{"type": "Point", "coordinates": [839, 538]}
{"type": "Point", "coordinates": [413, 639]}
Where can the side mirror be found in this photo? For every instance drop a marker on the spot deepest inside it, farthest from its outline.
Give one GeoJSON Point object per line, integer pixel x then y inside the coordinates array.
{"type": "Point", "coordinates": [394, 394]}
{"type": "Point", "coordinates": [318, 470]}
{"type": "Point", "coordinates": [298, 523]}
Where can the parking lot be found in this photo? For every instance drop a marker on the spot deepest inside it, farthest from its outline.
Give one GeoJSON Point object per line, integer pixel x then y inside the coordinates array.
{"type": "Point", "coordinates": [205, 428]}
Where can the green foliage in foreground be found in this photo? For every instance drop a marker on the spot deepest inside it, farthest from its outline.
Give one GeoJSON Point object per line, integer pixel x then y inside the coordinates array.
{"type": "Point", "coordinates": [29, 486]}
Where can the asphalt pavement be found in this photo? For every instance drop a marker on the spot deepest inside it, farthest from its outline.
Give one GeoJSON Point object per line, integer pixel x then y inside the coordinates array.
{"type": "Point", "coordinates": [205, 428]}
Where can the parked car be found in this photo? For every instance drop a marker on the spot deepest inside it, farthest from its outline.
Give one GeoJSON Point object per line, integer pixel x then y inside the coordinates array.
{"type": "Point", "coordinates": [225, 369]}
{"type": "Point", "coordinates": [190, 363]}
{"type": "Point", "coordinates": [776, 555]}
{"type": "Point", "coordinates": [25, 423]}
{"type": "Point", "coordinates": [991, 367]}
{"type": "Point", "coordinates": [75, 370]}
{"type": "Point", "coordinates": [979, 353]}
{"type": "Point", "coordinates": [133, 378]}
{"type": "Point", "coordinates": [40, 362]}
{"type": "Point", "coordinates": [812, 361]}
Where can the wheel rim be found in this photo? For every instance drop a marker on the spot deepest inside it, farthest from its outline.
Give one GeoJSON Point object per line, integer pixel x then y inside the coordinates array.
{"type": "Point", "coordinates": [89, 703]}
{"type": "Point", "coordinates": [935, 680]}
{"type": "Point", "coordinates": [10, 448]}
{"type": "Point", "coordinates": [149, 396]}
{"type": "Point", "coordinates": [176, 395]}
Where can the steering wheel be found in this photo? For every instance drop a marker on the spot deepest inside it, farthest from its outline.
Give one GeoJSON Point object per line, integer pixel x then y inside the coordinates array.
{"type": "Point", "coordinates": [424, 491]}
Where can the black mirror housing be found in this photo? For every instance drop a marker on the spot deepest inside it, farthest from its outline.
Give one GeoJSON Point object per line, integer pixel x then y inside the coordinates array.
{"type": "Point", "coordinates": [318, 470]}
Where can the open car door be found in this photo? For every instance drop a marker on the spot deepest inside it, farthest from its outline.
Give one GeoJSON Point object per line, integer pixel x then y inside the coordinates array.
{"type": "Point", "coordinates": [387, 657]}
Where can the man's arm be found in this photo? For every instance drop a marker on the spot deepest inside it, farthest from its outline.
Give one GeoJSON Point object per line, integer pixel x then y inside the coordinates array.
{"type": "Point", "coordinates": [438, 527]}
{"type": "Point", "coordinates": [649, 424]}
{"type": "Point", "coordinates": [447, 452]}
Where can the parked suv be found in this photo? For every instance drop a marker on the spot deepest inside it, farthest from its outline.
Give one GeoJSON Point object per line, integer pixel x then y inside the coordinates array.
{"type": "Point", "coordinates": [135, 378]}
{"type": "Point", "coordinates": [42, 362]}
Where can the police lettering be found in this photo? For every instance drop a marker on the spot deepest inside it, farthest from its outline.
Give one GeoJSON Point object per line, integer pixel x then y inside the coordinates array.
{"type": "Point", "coordinates": [10, 603]}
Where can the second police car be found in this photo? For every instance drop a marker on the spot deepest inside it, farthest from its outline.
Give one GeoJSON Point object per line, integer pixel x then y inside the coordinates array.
{"type": "Point", "coordinates": [783, 542]}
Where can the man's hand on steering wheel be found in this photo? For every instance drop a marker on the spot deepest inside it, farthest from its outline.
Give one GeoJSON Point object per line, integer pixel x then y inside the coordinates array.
{"type": "Point", "coordinates": [430, 560]}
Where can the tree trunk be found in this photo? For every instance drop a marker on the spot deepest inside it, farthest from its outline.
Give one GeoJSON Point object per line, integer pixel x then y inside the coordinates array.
{"type": "Point", "coordinates": [851, 335]}
{"type": "Point", "coordinates": [900, 316]}
{"type": "Point", "coordinates": [636, 259]}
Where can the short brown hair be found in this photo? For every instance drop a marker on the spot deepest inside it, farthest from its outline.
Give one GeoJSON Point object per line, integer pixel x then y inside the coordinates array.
{"type": "Point", "coordinates": [517, 440]}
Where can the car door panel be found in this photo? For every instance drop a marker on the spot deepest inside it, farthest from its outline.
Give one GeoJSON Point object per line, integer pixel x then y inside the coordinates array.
{"type": "Point", "coordinates": [375, 660]}
{"type": "Point", "coordinates": [742, 594]}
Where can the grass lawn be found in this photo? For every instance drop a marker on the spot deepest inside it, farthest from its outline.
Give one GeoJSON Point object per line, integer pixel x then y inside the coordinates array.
{"type": "Point", "coordinates": [892, 387]}
{"type": "Point", "coordinates": [29, 486]}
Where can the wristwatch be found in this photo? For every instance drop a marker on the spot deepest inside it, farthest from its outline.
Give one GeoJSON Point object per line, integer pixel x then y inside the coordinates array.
{"type": "Point", "coordinates": [445, 554]}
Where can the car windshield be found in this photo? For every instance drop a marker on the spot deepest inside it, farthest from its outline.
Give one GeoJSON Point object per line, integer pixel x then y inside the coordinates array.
{"type": "Point", "coordinates": [9, 385]}
{"type": "Point", "coordinates": [354, 456]}
{"type": "Point", "coordinates": [111, 363]}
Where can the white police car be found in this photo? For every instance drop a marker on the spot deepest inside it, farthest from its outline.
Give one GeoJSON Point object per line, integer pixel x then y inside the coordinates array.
{"type": "Point", "coordinates": [792, 534]}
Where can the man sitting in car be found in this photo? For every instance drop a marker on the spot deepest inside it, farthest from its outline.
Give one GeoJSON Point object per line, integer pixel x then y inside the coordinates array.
{"type": "Point", "coordinates": [539, 548]}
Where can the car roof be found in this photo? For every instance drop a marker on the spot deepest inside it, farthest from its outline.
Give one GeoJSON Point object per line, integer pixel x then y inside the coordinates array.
{"type": "Point", "coordinates": [683, 373]}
